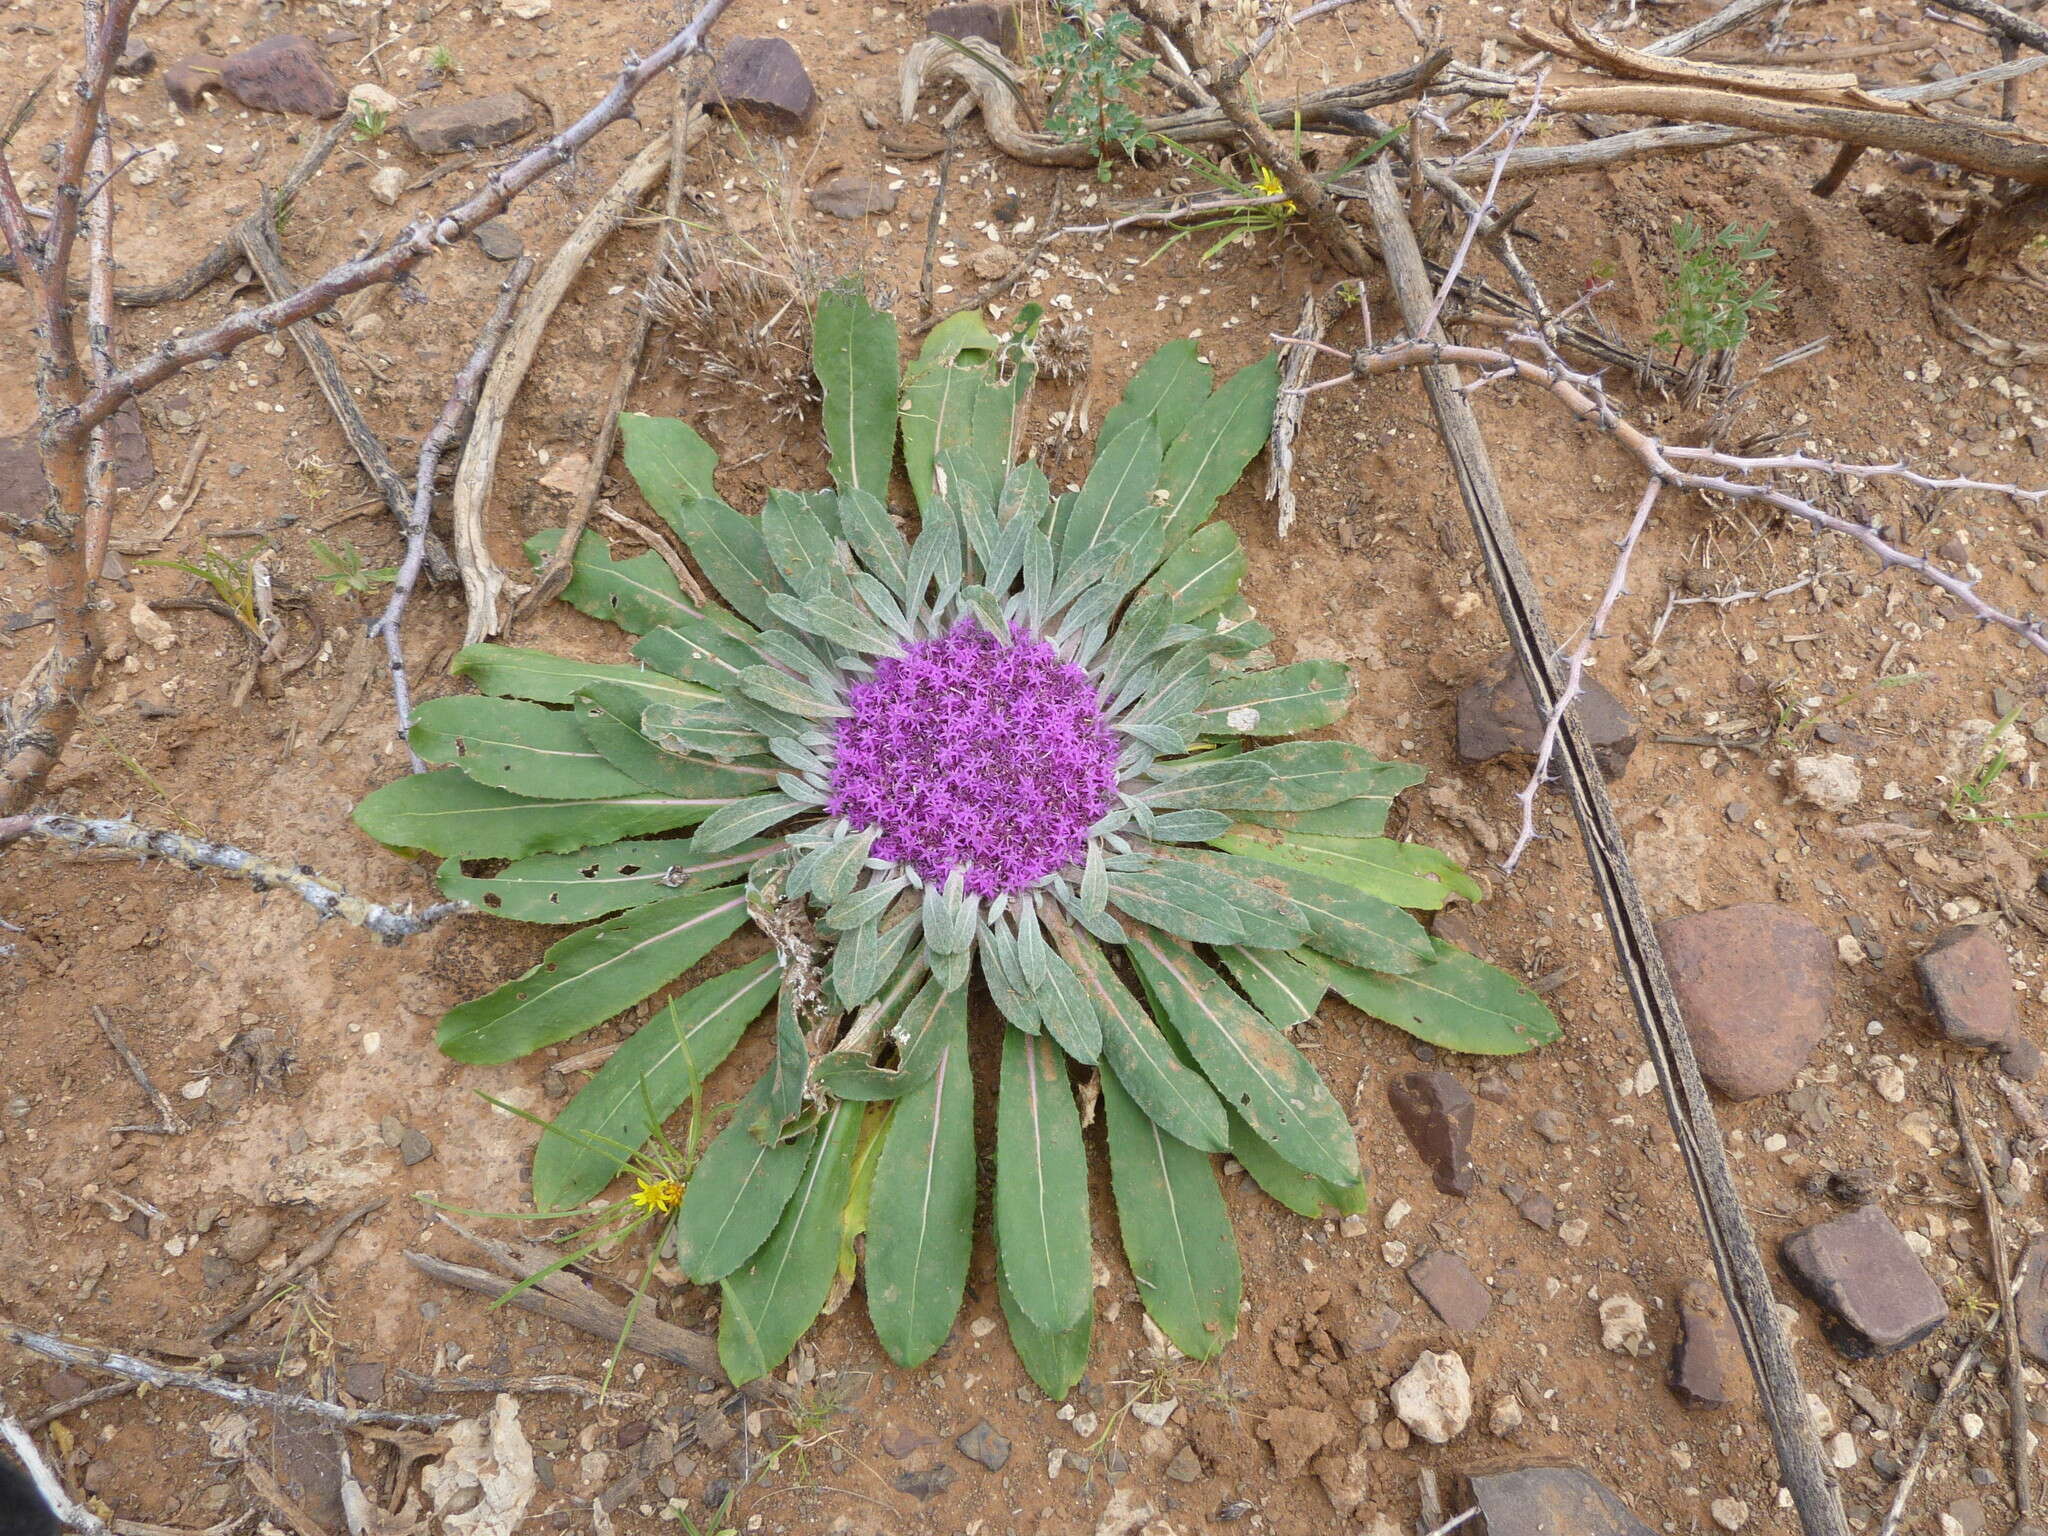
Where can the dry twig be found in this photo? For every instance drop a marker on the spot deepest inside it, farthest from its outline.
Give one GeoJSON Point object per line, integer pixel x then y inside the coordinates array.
{"type": "Point", "coordinates": [2017, 1417]}
{"type": "Point", "coordinates": [1958, 1376]}
{"type": "Point", "coordinates": [168, 1122]}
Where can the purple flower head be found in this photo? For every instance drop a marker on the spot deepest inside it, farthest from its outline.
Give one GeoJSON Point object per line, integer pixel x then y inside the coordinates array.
{"type": "Point", "coordinates": [969, 753]}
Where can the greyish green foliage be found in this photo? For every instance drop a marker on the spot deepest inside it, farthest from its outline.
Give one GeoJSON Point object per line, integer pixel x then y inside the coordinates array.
{"type": "Point", "coordinates": [653, 809]}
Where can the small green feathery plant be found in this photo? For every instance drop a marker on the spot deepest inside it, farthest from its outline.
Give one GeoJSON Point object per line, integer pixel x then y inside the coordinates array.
{"type": "Point", "coordinates": [1710, 299]}
{"type": "Point", "coordinates": [1091, 104]}
{"type": "Point", "coordinates": [1024, 744]}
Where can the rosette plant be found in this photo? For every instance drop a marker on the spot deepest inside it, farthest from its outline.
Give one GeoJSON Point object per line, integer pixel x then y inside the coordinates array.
{"type": "Point", "coordinates": [1040, 743]}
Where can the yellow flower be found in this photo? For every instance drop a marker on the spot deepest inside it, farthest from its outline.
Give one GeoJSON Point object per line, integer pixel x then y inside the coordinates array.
{"type": "Point", "coordinates": [662, 1195]}
{"type": "Point", "coordinates": [1269, 186]}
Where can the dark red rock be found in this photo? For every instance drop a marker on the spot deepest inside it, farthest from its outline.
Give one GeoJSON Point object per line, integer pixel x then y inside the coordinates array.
{"type": "Point", "coordinates": [2030, 1300]}
{"type": "Point", "coordinates": [992, 23]}
{"type": "Point", "coordinates": [137, 59]}
{"type": "Point", "coordinates": [1437, 1113]}
{"type": "Point", "coordinates": [1706, 1356]}
{"type": "Point", "coordinates": [1549, 1500]}
{"type": "Point", "coordinates": [848, 197]}
{"type": "Point", "coordinates": [363, 1380]}
{"type": "Point", "coordinates": [1453, 1292]}
{"type": "Point", "coordinates": [476, 122]}
{"type": "Point", "coordinates": [900, 1442]}
{"type": "Point", "coordinates": [134, 465]}
{"type": "Point", "coordinates": [763, 79]}
{"type": "Point", "coordinates": [23, 490]}
{"type": "Point", "coordinates": [2021, 1060]}
{"type": "Point", "coordinates": [928, 1484]}
{"type": "Point", "coordinates": [1874, 1295]}
{"type": "Point", "coordinates": [1359, 1329]}
{"type": "Point", "coordinates": [1967, 981]}
{"type": "Point", "coordinates": [1497, 717]}
{"type": "Point", "coordinates": [1755, 982]}
{"type": "Point", "coordinates": [283, 74]}
{"type": "Point", "coordinates": [984, 1445]}
{"type": "Point", "coordinates": [1538, 1211]}
{"type": "Point", "coordinates": [187, 81]}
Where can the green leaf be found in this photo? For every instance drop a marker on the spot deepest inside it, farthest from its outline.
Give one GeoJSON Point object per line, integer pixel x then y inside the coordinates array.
{"type": "Point", "coordinates": [668, 461]}
{"type": "Point", "coordinates": [1267, 917]}
{"type": "Point", "coordinates": [953, 398]}
{"type": "Point", "coordinates": [718, 731]}
{"type": "Point", "coordinates": [1119, 485]}
{"type": "Point", "coordinates": [733, 823]}
{"type": "Point", "coordinates": [869, 955]}
{"type": "Point", "coordinates": [1066, 1012]}
{"type": "Point", "coordinates": [698, 650]}
{"type": "Point", "coordinates": [1305, 696]}
{"type": "Point", "coordinates": [771, 1300]}
{"type": "Point", "coordinates": [647, 1078]}
{"type": "Point", "coordinates": [1302, 1193]}
{"type": "Point", "coordinates": [1358, 929]}
{"type": "Point", "coordinates": [875, 539]}
{"type": "Point", "coordinates": [1212, 451]}
{"type": "Point", "coordinates": [594, 882]}
{"type": "Point", "coordinates": [1168, 896]}
{"type": "Point", "coordinates": [1201, 574]}
{"type": "Point", "coordinates": [1168, 391]}
{"type": "Point", "coordinates": [737, 1193]}
{"type": "Point", "coordinates": [729, 549]}
{"type": "Point", "coordinates": [447, 812]}
{"type": "Point", "coordinates": [1056, 1361]}
{"type": "Point", "coordinates": [1041, 1217]}
{"type": "Point", "coordinates": [1280, 987]}
{"type": "Point", "coordinates": [1406, 874]}
{"type": "Point", "coordinates": [637, 594]}
{"type": "Point", "coordinates": [921, 1215]}
{"type": "Point", "coordinates": [1457, 1001]}
{"type": "Point", "coordinates": [591, 975]}
{"type": "Point", "coordinates": [1311, 774]}
{"type": "Point", "coordinates": [1365, 816]}
{"type": "Point", "coordinates": [528, 749]}
{"type": "Point", "coordinates": [853, 352]}
{"type": "Point", "coordinates": [1167, 1088]}
{"type": "Point", "coordinates": [512, 671]}
{"type": "Point", "coordinates": [609, 718]}
{"type": "Point", "coordinates": [778, 690]}
{"type": "Point", "coordinates": [1176, 1229]}
{"type": "Point", "coordinates": [798, 541]}
{"type": "Point", "coordinates": [1253, 1065]}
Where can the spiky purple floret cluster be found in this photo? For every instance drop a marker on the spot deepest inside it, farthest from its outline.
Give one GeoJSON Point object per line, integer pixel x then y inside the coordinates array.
{"type": "Point", "coordinates": [966, 752]}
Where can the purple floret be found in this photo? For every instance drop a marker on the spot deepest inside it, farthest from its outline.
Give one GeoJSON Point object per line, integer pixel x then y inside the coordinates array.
{"type": "Point", "coordinates": [971, 754]}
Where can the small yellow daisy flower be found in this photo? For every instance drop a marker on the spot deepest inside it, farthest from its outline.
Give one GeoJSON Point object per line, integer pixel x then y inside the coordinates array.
{"type": "Point", "coordinates": [662, 1195]}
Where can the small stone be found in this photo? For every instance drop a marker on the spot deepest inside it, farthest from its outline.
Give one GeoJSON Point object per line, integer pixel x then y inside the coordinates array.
{"type": "Point", "coordinates": [1755, 982]}
{"type": "Point", "coordinates": [1553, 1125]}
{"type": "Point", "coordinates": [246, 1237]}
{"type": "Point", "coordinates": [1186, 1466]}
{"type": "Point", "coordinates": [477, 122]}
{"type": "Point", "coordinates": [992, 23]}
{"type": "Point", "coordinates": [1505, 1418]}
{"type": "Point", "coordinates": [1874, 1295]}
{"type": "Point", "coordinates": [1494, 1088]}
{"type": "Point", "coordinates": [1295, 1435]}
{"type": "Point", "coordinates": [499, 240]}
{"type": "Point", "coordinates": [285, 73]}
{"type": "Point", "coordinates": [1437, 1114]}
{"type": "Point", "coordinates": [1496, 717]}
{"type": "Point", "coordinates": [1573, 1233]}
{"type": "Point", "coordinates": [764, 79]}
{"type": "Point", "coordinates": [1842, 1450]}
{"type": "Point", "coordinates": [1550, 1501]}
{"type": "Point", "coordinates": [1890, 1083]}
{"type": "Point", "coordinates": [2030, 1300]}
{"type": "Point", "coordinates": [1359, 1331]}
{"type": "Point", "coordinates": [2021, 1061]}
{"type": "Point", "coordinates": [363, 1380]}
{"type": "Point", "coordinates": [137, 59]}
{"type": "Point", "coordinates": [1967, 981]}
{"type": "Point", "coordinates": [1434, 1397]}
{"type": "Point", "coordinates": [1831, 781]}
{"type": "Point", "coordinates": [1624, 1328]}
{"type": "Point", "coordinates": [366, 96]}
{"type": "Point", "coordinates": [926, 1484]}
{"type": "Point", "coordinates": [1702, 1359]}
{"type": "Point", "coordinates": [1969, 1517]}
{"type": "Point", "coordinates": [414, 1147]}
{"type": "Point", "coordinates": [187, 81]}
{"type": "Point", "coordinates": [1354, 1226]}
{"type": "Point", "coordinates": [389, 184]}
{"type": "Point", "coordinates": [1156, 1414]}
{"type": "Point", "coordinates": [899, 1442]}
{"type": "Point", "coordinates": [1346, 1477]}
{"type": "Point", "coordinates": [1538, 1211]}
{"type": "Point", "coordinates": [984, 1445]}
{"type": "Point", "coordinates": [1729, 1514]}
{"type": "Point", "coordinates": [1453, 1292]}
{"type": "Point", "coordinates": [851, 197]}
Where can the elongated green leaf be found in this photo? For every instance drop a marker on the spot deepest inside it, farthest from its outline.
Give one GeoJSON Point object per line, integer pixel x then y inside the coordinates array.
{"type": "Point", "coordinates": [737, 1194]}
{"type": "Point", "coordinates": [698, 651]}
{"type": "Point", "coordinates": [447, 812]}
{"type": "Point", "coordinates": [512, 671]}
{"type": "Point", "coordinates": [1280, 987]}
{"type": "Point", "coordinates": [1260, 1074]}
{"type": "Point", "coordinates": [1267, 916]}
{"type": "Point", "coordinates": [668, 461]}
{"type": "Point", "coordinates": [779, 691]}
{"type": "Point", "coordinates": [1168, 390]}
{"type": "Point", "coordinates": [719, 730]}
{"type": "Point", "coordinates": [1202, 573]}
{"type": "Point", "coordinates": [875, 539]}
{"type": "Point", "coordinates": [637, 593]}
{"type": "Point", "coordinates": [1218, 442]}
{"type": "Point", "coordinates": [609, 718]}
{"type": "Point", "coordinates": [592, 974]}
{"type": "Point", "coordinates": [728, 548]}
{"type": "Point", "coordinates": [965, 408]}
{"type": "Point", "coordinates": [1169, 897]}
{"type": "Point", "coordinates": [869, 955]}
{"type": "Point", "coordinates": [798, 541]}
{"type": "Point", "coordinates": [1067, 1012]}
{"type": "Point", "coordinates": [776, 1295]}
{"type": "Point", "coordinates": [921, 1215]}
{"type": "Point", "coordinates": [1311, 774]}
{"type": "Point", "coordinates": [1365, 816]}
{"type": "Point", "coordinates": [1302, 1193]}
{"type": "Point", "coordinates": [1304, 696]}
{"type": "Point", "coordinates": [1041, 1216]}
{"type": "Point", "coordinates": [1176, 1229]}
{"type": "Point", "coordinates": [1119, 484]}
{"type": "Point", "coordinates": [528, 749]}
{"type": "Point", "coordinates": [659, 1066]}
{"type": "Point", "coordinates": [1356, 928]}
{"type": "Point", "coordinates": [1167, 1088]}
{"type": "Point", "coordinates": [1457, 1001]}
{"type": "Point", "coordinates": [733, 823]}
{"type": "Point", "coordinates": [1056, 1361]}
{"type": "Point", "coordinates": [853, 352]}
{"type": "Point", "coordinates": [594, 882]}
{"type": "Point", "coordinates": [1406, 874]}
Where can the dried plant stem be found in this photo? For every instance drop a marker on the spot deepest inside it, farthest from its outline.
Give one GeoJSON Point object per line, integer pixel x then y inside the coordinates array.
{"type": "Point", "coordinates": [169, 1123]}
{"type": "Point", "coordinates": [2008, 24]}
{"type": "Point", "coordinates": [329, 900]}
{"type": "Point", "coordinates": [1675, 45]}
{"type": "Point", "coordinates": [447, 427]}
{"type": "Point", "coordinates": [67, 1509]}
{"type": "Point", "coordinates": [314, 1253]}
{"type": "Point", "coordinates": [1964, 1368]}
{"type": "Point", "coordinates": [2008, 1313]}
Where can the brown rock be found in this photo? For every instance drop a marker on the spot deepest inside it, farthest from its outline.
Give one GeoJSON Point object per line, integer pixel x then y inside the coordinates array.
{"type": "Point", "coordinates": [363, 1380]}
{"type": "Point", "coordinates": [137, 59]}
{"type": "Point", "coordinates": [992, 23]}
{"type": "Point", "coordinates": [499, 240]}
{"type": "Point", "coordinates": [1705, 1356]}
{"type": "Point", "coordinates": [2021, 1060]}
{"type": "Point", "coordinates": [1437, 1113]}
{"type": "Point", "coordinates": [900, 1442]}
{"type": "Point", "coordinates": [283, 74]}
{"type": "Point", "coordinates": [1296, 1434]}
{"type": "Point", "coordinates": [476, 122]}
{"type": "Point", "coordinates": [247, 1237]}
{"type": "Point", "coordinates": [762, 78]}
{"type": "Point", "coordinates": [1358, 1328]}
{"type": "Point", "coordinates": [1186, 1466]}
{"type": "Point", "coordinates": [1453, 1292]}
{"type": "Point", "coordinates": [1967, 981]}
{"type": "Point", "coordinates": [984, 1445]}
{"type": "Point", "coordinates": [1755, 982]}
{"type": "Point", "coordinates": [187, 81]}
{"type": "Point", "coordinates": [1496, 717]}
{"type": "Point", "coordinates": [1874, 1295]}
{"type": "Point", "coordinates": [1549, 1501]}
{"type": "Point", "coordinates": [1538, 1210]}
{"type": "Point", "coordinates": [926, 1484]}
{"type": "Point", "coordinates": [2030, 1300]}
{"type": "Point", "coordinates": [847, 197]}
{"type": "Point", "coordinates": [1346, 1477]}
